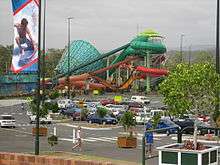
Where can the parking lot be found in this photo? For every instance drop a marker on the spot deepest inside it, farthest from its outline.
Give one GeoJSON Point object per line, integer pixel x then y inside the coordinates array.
{"type": "Point", "coordinates": [95, 141]}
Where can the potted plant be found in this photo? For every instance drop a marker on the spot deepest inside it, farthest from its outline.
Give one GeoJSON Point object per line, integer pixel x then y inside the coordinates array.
{"type": "Point", "coordinates": [102, 112]}
{"type": "Point", "coordinates": [52, 141]}
{"type": "Point", "coordinates": [43, 112]}
{"type": "Point", "coordinates": [128, 122]}
{"type": "Point", "coordinates": [190, 90]}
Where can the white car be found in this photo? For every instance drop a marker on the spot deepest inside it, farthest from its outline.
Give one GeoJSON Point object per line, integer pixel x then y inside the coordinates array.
{"type": "Point", "coordinates": [115, 109]}
{"type": "Point", "coordinates": [142, 118]}
{"type": "Point", "coordinates": [140, 99]}
{"type": "Point", "coordinates": [7, 121]}
{"type": "Point", "coordinates": [46, 119]}
{"type": "Point", "coordinates": [65, 103]}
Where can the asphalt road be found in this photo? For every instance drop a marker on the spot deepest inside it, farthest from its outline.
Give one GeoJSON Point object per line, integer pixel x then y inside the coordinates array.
{"type": "Point", "coordinates": [95, 142]}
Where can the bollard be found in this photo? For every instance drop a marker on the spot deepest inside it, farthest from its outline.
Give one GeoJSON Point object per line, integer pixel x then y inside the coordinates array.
{"type": "Point", "coordinates": [74, 136]}
{"type": "Point", "coordinates": [179, 136]}
{"type": "Point", "coordinates": [143, 151]}
{"type": "Point", "coordinates": [54, 131]}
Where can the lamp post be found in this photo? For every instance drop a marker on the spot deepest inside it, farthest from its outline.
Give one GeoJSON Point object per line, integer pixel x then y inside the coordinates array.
{"type": "Point", "coordinates": [68, 75]}
{"type": "Point", "coordinates": [181, 47]}
{"type": "Point", "coordinates": [217, 53]}
{"type": "Point", "coordinates": [39, 87]}
{"type": "Point", "coordinates": [44, 53]}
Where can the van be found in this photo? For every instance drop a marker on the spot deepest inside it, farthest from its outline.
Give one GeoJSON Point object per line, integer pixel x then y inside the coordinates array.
{"type": "Point", "coordinates": [140, 99]}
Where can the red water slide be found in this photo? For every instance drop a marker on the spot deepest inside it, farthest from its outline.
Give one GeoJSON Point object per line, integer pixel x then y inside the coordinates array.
{"type": "Point", "coordinates": [152, 71]}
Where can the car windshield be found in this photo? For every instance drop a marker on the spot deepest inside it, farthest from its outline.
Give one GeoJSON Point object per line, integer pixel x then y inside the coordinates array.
{"type": "Point", "coordinates": [8, 118]}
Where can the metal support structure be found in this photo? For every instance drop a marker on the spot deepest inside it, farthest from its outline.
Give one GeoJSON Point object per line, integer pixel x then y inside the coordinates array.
{"type": "Point", "coordinates": [143, 151]}
{"type": "Point", "coordinates": [189, 55]}
{"type": "Point", "coordinates": [44, 52]}
{"type": "Point", "coordinates": [147, 64]}
{"type": "Point", "coordinates": [217, 53]}
{"type": "Point", "coordinates": [39, 87]}
{"type": "Point", "coordinates": [181, 47]}
{"type": "Point", "coordinates": [107, 72]}
{"type": "Point", "coordinates": [68, 74]}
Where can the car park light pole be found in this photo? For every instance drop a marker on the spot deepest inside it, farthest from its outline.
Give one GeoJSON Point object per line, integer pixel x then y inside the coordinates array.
{"type": "Point", "coordinates": [68, 75]}
{"type": "Point", "coordinates": [39, 87]}
{"type": "Point", "coordinates": [181, 46]}
{"type": "Point", "coordinates": [217, 53]}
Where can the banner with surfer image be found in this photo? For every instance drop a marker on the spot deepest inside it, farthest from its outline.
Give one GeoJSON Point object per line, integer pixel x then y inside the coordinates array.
{"type": "Point", "coordinates": [25, 52]}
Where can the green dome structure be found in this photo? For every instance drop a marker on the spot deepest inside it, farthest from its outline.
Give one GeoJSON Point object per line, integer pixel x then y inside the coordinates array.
{"type": "Point", "coordinates": [80, 52]}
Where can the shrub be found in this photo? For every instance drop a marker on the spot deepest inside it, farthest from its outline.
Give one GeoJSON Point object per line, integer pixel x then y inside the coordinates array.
{"type": "Point", "coordinates": [102, 112]}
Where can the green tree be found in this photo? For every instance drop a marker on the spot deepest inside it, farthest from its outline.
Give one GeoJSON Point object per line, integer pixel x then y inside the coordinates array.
{"type": "Point", "coordinates": [191, 89]}
{"type": "Point", "coordinates": [52, 59]}
{"type": "Point", "coordinates": [128, 121]}
{"type": "Point", "coordinates": [5, 58]}
{"type": "Point", "coordinates": [203, 56]}
{"type": "Point", "coordinates": [102, 112]}
{"type": "Point", "coordinates": [173, 60]}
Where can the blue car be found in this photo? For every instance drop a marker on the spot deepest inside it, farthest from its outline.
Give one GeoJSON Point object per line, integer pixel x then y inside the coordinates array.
{"type": "Point", "coordinates": [165, 123]}
{"type": "Point", "coordinates": [105, 120]}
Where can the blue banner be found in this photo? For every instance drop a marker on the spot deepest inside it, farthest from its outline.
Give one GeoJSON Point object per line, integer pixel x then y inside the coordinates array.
{"type": "Point", "coordinates": [25, 52]}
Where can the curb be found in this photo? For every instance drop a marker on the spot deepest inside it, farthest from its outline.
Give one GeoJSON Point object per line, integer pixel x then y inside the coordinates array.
{"type": "Point", "coordinates": [89, 128]}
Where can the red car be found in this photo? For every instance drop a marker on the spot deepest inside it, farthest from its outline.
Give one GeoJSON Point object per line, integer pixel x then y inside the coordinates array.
{"type": "Point", "coordinates": [107, 101]}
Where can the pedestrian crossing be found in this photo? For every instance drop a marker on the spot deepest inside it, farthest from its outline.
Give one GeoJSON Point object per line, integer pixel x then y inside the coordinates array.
{"type": "Point", "coordinates": [100, 139]}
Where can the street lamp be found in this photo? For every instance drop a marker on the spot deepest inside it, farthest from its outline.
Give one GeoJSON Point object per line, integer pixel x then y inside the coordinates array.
{"type": "Point", "coordinates": [217, 53]}
{"type": "Point", "coordinates": [37, 144]}
{"type": "Point", "coordinates": [181, 47]}
{"type": "Point", "coordinates": [68, 75]}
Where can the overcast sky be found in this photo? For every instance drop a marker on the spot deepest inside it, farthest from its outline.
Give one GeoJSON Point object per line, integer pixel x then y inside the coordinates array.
{"type": "Point", "coordinates": [108, 24]}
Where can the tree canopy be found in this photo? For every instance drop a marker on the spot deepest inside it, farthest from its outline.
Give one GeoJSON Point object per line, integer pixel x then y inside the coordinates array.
{"type": "Point", "coordinates": [191, 89]}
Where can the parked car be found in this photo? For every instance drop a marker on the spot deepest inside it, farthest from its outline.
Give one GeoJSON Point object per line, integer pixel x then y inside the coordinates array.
{"type": "Point", "coordinates": [105, 120]}
{"type": "Point", "coordinates": [140, 99]}
{"type": "Point", "coordinates": [107, 101]}
{"type": "Point", "coordinates": [7, 121]}
{"type": "Point", "coordinates": [165, 123]}
{"type": "Point", "coordinates": [65, 103]}
{"type": "Point", "coordinates": [115, 109]}
{"type": "Point", "coordinates": [142, 117]}
{"type": "Point", "coordinates": [77, 114]}
{"type": "Point", "coordinates": [187, 125]}
{"type": "Point", "coordinates": [70, 111]}
{"type": "Point", "coordinates": [43, 120]}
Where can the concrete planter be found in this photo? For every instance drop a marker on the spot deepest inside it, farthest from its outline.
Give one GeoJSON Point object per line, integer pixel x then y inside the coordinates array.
{"type": "Point", "coordinates": [127, 142]}
{"type": "Point", "coordinates": [169, 155]}
{"type": "Point", "coordinates": [42, 131]}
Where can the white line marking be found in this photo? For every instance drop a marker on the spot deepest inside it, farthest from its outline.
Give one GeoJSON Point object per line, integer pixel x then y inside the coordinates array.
{"type": "Point", "coordinates": [113, 138]}
{"type": "Point", "coordinates": [71, 140]}
{"type": "Point", "coordinates": [100, 139]}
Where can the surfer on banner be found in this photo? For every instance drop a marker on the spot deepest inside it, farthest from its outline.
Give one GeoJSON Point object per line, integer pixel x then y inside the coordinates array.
{"type": "Point", "coordinates": [21, 39]}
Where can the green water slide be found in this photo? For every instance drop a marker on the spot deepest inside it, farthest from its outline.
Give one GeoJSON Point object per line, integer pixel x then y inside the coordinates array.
{"type": "Point", "coordinates": [147, 42]}
{"type": "Point", "coordinates": [85, 58]}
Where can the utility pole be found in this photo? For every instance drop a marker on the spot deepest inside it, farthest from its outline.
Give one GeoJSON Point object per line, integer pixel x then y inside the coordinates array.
{"type": "Point", "coordinates": [181, 47]}
{"type": "Point", "coordinates": [189, 55]}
